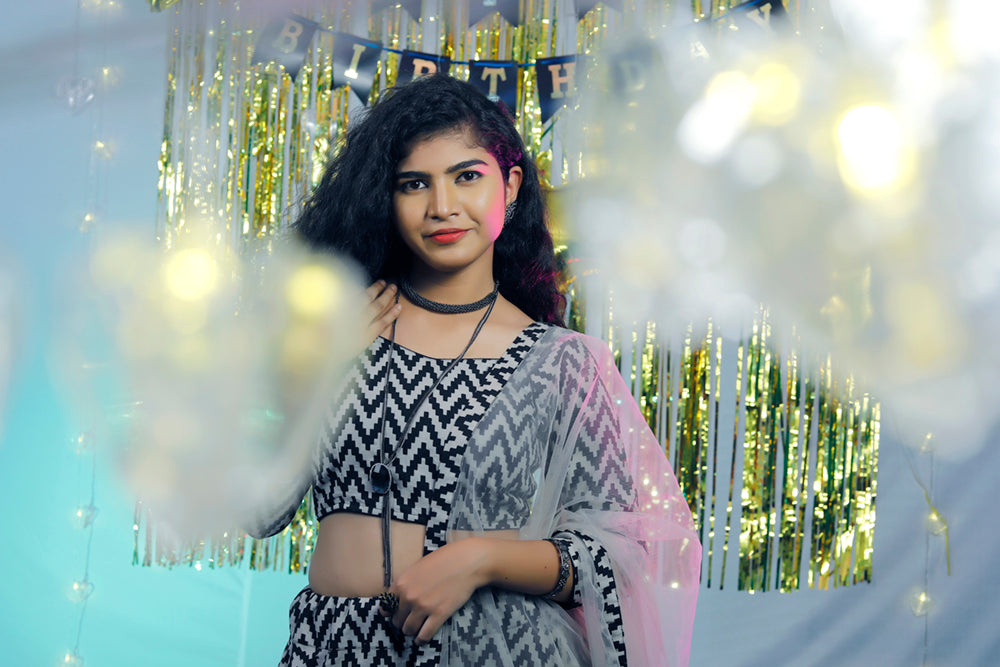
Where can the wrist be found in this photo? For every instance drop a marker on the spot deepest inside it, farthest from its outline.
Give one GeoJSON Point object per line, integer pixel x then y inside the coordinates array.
{"type": "Point", "coordinates": [484, 562]}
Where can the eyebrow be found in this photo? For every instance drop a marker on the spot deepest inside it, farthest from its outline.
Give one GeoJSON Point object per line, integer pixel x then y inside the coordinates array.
{"type": "Point", "coordinates": [461, 166]}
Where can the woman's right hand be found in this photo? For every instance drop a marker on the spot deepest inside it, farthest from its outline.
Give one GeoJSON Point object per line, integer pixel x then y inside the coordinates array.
{"type": "Point", "coordinates": [382, 309]}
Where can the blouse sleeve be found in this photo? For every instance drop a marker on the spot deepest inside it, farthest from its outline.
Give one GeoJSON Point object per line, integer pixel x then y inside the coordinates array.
{"type": "Point", "coordinates": [265, 521]}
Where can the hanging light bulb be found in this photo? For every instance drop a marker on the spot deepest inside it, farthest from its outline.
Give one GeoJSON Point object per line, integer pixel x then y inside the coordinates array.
{"type": "Point", "coordinates": [80, 590]}
{"type": "Point", "coordinates": [72, 659]}
{"type": "Point", "coordinates": [83, 442]}
{"type": "Point", "coordinates": [85, 515]}
{"type": "Point", "coordinates": [920, 603]}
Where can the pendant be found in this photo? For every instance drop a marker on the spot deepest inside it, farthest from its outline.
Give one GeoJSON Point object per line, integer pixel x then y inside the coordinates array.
{"type": "Point", "coordinates": [380, 478]}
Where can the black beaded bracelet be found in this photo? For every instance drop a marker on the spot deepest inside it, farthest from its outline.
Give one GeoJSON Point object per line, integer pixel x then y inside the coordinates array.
{"type": "Point", "coordinates": [564, 565]}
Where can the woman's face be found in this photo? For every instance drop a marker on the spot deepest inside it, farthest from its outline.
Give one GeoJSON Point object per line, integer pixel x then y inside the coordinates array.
{"type": "Point", "coordinates": [449, 202]}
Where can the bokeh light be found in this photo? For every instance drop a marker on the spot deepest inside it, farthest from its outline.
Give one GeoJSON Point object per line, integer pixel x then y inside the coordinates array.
{"type": "Point", "coordinates": [215, 371]}
{"type": "Point", "coordinates": [850, 193]}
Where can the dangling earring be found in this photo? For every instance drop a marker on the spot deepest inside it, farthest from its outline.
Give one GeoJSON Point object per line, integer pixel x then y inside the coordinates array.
{"type": "Point", "coordinates": [508, 214]}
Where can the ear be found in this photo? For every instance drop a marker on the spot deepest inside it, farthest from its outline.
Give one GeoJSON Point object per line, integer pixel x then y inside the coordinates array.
{"type": "Point", "coordinates": [513, 184]}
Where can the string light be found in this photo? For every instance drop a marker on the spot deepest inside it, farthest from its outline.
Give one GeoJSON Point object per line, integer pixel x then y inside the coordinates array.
{"type": "Point", "coordinates": [84, 443]}
{"type": "Point", "coordinates": [920, 603]}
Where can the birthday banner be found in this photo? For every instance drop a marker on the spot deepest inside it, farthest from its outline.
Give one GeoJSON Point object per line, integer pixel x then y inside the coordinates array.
{"type": "Point", "coordinates": [356, 60]}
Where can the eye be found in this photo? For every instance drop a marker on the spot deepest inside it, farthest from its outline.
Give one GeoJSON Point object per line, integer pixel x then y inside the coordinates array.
{"type": "Point", "coordinates": [468, 176]}
{"type": "Point", "coordinates": [411, 185]}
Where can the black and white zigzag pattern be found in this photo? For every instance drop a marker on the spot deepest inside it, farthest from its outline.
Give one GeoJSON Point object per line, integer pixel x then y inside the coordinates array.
{"type": "Point", "coordinates": [507, 431]}
{"type": "Point", "coordinates": [563, 395]}
{"type": "Point", "coordinates": [468, 421]}
{"type": "Point", "coordinates": [351, 442]}
{"type": "Point", "coordinates": [331, 631]}
{"type": "Point", "coordinates": [604, 582]}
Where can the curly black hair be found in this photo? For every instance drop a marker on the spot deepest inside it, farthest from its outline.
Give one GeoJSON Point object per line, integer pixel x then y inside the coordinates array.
{"type": "Point", "coordinates": [351, 211]}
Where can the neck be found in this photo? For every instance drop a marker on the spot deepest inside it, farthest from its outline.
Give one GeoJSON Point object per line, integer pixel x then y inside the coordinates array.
{"type": "Point", "coordinates": [456, 288]}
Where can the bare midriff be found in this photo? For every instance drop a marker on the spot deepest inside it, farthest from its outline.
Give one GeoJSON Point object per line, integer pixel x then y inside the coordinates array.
{"type": "Point", "coordinates": [347, 561]}
{"type": "Point", "coordinates": [348, 557]}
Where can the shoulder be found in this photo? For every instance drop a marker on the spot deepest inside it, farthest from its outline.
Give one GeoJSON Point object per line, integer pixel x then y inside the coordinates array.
{"type": "Point", "coordinates": [587, 349]}
{"type": "Point", "coordinates": [576, 358]}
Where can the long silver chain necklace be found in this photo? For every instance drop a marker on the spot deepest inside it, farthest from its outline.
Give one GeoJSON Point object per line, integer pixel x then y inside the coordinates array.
{"type": "Point", "coordinates": [380, 476]}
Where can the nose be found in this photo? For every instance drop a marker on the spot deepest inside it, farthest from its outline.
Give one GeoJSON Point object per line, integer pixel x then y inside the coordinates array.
{"type": "Point", "coordinates": [443, 202]}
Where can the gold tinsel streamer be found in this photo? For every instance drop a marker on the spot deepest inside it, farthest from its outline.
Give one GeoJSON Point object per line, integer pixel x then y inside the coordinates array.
{"type": "Point", "coordinates": [778, 463]}
{"type": "Point", "coordinates": [791, 487]}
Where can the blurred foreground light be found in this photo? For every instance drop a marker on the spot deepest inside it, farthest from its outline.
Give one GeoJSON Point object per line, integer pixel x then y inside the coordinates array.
{"type": "Point", "coordinates": [314, 291]}
{"type": "Point", "coordinates": [712, 123]}
{"type": "Point", "coordinates": [778, 92]}
{"type": "Point", "coordinates": [191, 274]}
{"type": "Point", "coordinates": [873, 156]}
{"type": "Point", "coordinates": [925, 325]}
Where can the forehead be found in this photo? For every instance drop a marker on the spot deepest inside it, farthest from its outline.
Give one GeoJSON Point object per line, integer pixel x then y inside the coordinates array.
{"type": "Point", "coordinates": [445, 149]}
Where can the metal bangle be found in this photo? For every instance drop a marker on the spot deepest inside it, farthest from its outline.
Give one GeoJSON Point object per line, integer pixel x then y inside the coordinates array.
{"type": "Point", "coordinates": [564, 567]}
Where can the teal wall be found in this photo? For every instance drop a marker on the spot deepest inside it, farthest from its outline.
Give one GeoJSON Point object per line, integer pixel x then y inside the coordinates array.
{"type": "Point", "coordinates": [136, 616]}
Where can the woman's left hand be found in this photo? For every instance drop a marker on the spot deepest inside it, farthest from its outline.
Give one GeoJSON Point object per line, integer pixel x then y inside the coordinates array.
{"type": "Point", "coordinates": [437, 585]}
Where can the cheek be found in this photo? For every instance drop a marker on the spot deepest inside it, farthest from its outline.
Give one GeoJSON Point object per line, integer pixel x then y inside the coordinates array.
{"type": "Point", "coordinates": [402, 216]}
{"type": "Point", "coordinates": [494, 209]}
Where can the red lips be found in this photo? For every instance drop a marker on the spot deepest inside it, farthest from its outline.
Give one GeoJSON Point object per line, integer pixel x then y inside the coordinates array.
{"type": "Point", "coordinates": [447, 236]}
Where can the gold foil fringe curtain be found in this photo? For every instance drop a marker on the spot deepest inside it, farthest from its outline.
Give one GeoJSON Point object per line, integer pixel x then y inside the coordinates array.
{"type": "Point", "coordinates": [777, 464]}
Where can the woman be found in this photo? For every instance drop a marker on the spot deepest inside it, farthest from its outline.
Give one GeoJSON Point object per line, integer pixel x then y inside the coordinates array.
{"type": "Point", "coordinates": [487, 492]}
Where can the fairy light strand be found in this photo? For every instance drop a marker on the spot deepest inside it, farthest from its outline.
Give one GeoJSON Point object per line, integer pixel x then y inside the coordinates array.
{"type": "Point", "coordinates": [100, 153]}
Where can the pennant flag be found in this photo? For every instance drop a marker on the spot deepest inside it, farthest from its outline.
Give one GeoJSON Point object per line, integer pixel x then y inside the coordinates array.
{"type": "Point", "coordinates": [497, 79]}
{"type": "Point", "coordinates": [355, 62]}
{"type": "Point", "coordinates": [631, 69]}
{"type": "Point", "coordinates": [413, 7]}
{"type": "Point", "coordinates": [556, 83]}
{"type": "Point", "coordinates": [509, 9]}
{"type": "Point", "coordinates": [764, 14]}
{"type": "Point", "coordinates": [413, 64]}
{"type": "Point", "coordinates": [285, 41]}
{"type": "Point", "coordinates": [584, 6]}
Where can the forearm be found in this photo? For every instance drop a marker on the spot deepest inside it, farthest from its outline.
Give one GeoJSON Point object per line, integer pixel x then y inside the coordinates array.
{"type": "Point", "coordinates": [525, 566]}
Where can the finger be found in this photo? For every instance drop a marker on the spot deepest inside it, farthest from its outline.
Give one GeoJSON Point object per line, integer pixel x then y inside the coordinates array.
{"type": "Point", "coordinates": [375, 289]}
{"type": "Point", "coordinates": [414, 621]}
{"type": "Point", "coordinates": [383, 322]}
{"type": "Point", "coordinates": [428, 630]}
{"type": "Point", "coordinates": [384, 297]}
{"type": "Point", "coordinates": [383, 302]}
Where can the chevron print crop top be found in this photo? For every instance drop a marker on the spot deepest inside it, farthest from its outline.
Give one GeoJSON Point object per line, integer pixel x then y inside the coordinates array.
{"type": "Point", "coordinates": [350, 444]}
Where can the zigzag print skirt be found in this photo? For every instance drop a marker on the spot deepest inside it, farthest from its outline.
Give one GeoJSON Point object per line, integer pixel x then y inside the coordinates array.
{"type": "Point", "coordinates": [329, 631]}
{"type": "Point", "coordinates": [334, 631]}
